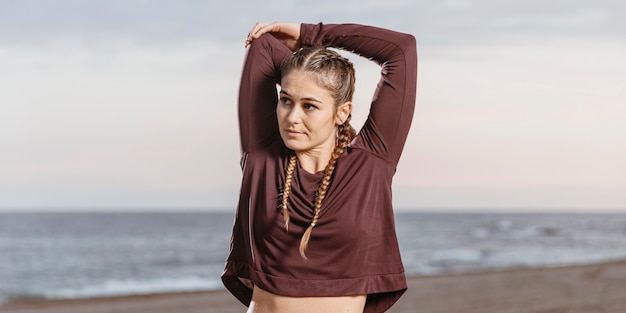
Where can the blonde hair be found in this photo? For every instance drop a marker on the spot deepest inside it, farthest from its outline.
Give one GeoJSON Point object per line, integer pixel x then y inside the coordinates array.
{"type": "Point", "coordinates": [336, 74]}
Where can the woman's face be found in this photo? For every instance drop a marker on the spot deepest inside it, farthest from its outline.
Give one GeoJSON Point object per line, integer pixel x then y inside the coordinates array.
{"type": "Point", "coordinates": [307, 115]}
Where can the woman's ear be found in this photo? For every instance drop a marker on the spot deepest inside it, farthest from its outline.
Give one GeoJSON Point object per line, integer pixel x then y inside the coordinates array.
{"type": "Point", "coordinates": [343, 111]}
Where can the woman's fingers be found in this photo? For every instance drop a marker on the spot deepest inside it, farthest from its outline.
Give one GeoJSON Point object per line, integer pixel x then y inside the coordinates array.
{"type": "Point", "coordinates": [249, 38]}
{"type": "Point", "coordinates": [259, 29]}
{"type": "Point", "coordinates": [287, 33]}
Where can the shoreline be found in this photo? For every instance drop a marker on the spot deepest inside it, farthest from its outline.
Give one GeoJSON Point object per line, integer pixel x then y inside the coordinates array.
{"type": "Point", "coordinates": [588, 288]}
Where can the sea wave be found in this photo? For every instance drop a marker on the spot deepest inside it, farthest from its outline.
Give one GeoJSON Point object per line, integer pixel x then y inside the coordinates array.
{"type": "Point", "coordinates": [134, 287]}
{"type": "Point", "coordinates": [63, 256]}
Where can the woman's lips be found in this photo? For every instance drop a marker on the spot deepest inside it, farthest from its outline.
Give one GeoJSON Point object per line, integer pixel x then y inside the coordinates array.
{"type": "Point", "coordinates": [292, 132]}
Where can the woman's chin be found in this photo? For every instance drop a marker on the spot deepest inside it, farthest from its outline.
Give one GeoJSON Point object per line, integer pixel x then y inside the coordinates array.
{"type": "Point", "coordinates": [293, 145]}
{"type": "Point", "coordinates": [296, 144]}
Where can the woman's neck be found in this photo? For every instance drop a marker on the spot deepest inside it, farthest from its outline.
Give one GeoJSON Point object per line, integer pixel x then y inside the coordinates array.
{"type": "Point", "coordinates": [314, 161]}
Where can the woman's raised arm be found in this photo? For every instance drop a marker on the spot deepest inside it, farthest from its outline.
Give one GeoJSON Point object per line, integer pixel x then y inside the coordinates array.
{"type": "Point", "coordinates": [392, 107]}
{"type": "Point", "coordinates": [258, 126]}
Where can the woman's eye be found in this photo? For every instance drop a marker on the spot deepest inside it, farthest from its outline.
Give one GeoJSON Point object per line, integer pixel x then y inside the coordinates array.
{"type": "Point", "coordinates": [309, 107]}
{"type": "Point", "coordinates": [285, 101]}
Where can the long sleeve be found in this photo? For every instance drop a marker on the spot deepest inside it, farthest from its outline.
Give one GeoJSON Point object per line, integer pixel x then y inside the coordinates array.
{"type": "Point", "coordinates": [258, 126]}
{"type": "Point", "coordinates": [354, 248]}
{"type": "Point", "coordinates": [391, 111]}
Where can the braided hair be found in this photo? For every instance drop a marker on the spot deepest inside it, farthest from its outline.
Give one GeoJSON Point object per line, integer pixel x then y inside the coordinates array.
{"type": "Point", "coordinates": [336, 74]}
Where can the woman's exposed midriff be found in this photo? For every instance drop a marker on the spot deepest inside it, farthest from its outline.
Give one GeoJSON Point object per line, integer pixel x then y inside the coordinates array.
{"type": "Point", "coordinates": [266, 302]}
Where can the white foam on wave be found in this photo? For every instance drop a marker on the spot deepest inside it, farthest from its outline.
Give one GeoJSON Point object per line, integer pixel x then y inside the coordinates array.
{"type": "Point", "coordinates": [134, 287]}
{"type": "Point", "coordinates": [457, 255]}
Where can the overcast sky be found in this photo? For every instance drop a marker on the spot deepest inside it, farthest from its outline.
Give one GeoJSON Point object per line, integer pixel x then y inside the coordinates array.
{"type": "Point", "coordinates": [132, 104]}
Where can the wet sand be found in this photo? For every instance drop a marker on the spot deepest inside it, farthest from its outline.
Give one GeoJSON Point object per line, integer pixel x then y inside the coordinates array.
{"type": "Point", "coordinates": [596, 288]}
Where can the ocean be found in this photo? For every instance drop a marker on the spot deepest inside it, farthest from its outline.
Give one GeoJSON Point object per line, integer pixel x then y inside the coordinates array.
{"type": "Point", "coordinates": [79, 255]}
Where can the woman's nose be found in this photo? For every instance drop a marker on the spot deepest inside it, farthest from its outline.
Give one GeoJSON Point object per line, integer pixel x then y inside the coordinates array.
{"type": "Point", "coordinates": [294, 115]}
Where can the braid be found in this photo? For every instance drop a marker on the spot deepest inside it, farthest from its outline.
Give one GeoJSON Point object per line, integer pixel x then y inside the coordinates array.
{"type": "Point", "coordinates": [287, 189]}
{"type": "Point", "coordinates": [343, 140]}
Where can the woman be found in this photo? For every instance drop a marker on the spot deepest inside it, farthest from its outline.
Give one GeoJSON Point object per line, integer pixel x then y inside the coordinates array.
{"type": "Point", "coordinates": [314, 229]}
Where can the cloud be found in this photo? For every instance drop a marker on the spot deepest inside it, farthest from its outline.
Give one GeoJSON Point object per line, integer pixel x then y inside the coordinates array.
{"type": "Point", "coordinates": [80, 119]}
{"type": "Point", "coordinates": [131, 102]}
{"type": "Point", "coordinates": [154, 20]}
{"type": "Point", "coordinates": [432, 21]}
{"type": "Point", "coordinates": [529, 116]}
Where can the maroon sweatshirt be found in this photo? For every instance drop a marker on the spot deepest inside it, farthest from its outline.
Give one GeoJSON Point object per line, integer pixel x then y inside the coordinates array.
{"type": "Point", "coordinates": [353, 248]}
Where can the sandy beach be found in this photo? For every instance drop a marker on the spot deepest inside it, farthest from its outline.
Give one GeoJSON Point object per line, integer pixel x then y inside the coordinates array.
{"type": "Point", "coordinates": [593, 288]}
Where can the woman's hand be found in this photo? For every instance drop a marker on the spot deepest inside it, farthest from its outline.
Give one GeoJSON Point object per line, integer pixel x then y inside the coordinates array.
{"type": "Point", "coordinates": [287, 33]}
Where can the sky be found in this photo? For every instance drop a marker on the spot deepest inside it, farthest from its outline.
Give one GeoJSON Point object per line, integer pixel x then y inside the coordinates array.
{"type": "Point", "coordinates": [131, 105]}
